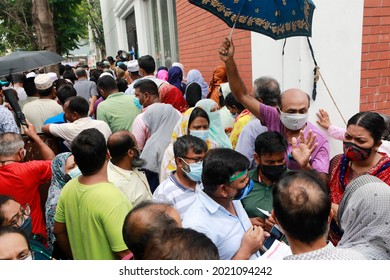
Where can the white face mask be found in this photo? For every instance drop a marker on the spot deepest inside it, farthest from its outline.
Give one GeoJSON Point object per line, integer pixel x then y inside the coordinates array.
{"type": "Point", "coordinates": [293, 122]}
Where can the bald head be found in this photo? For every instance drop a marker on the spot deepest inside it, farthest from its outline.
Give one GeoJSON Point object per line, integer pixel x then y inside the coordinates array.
{"type": "Point", "coordinates": [146, 219]}
{"type": "Point", "coordinates": [10, 144]}
{"type": "Point", "coordinates": [119, 143]}
{"type": "Point", "coordinates": [294, 101]}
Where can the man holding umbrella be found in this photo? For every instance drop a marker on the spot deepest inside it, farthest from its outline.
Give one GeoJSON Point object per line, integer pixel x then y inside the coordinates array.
{"type": "Point", "coordinates": [290, 119]}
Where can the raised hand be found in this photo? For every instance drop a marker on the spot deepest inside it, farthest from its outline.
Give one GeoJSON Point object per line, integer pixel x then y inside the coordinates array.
{"type": "Point", "coordinates": [302, 150]}
{"type": "Point", "coordinates": [323, 119]}
{"type": "Point", "coordinates": [226, 51]}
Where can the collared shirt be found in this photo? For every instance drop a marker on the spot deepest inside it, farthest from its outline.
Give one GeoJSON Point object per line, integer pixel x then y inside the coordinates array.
{"type": "Point", "coordinates": [7, 121]}
{"type": "Point", "coordinates": [319, 157]}
{"type": "Point", "coordinates": [118, 111]}
{"type": "Point", "coordinates": [247, 138]}
{"type": "Point", "coordinates": [224, 229]}
{"type": "Point", "coordinates": [259, 197]}
{"type": "Point", "coordinates": [329, 252]}
{"type": "Point", "coordinates": [132, 183]}
{"type": "Point", "coordinates": [180, 196]}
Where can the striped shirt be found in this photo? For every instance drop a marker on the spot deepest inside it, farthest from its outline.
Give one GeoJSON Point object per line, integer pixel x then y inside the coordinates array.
{"type": "Point", "coordinates": [171, 191]}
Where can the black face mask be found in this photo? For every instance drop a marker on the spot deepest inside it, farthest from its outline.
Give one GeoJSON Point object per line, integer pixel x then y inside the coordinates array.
{"type": "Point", "coordinates": [273, 172]}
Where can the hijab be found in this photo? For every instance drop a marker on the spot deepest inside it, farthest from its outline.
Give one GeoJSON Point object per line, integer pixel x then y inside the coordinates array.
{"type": "Point", "coordinates": [216, 130]}
{"type": "Point", "coordinates": [170, 94]}
{"type": "Point", "coordinates": [219, 77]}
{"type": "Point", "coordinates": [364, 216]}
{"type": "Point", "coordinates": [160, 119]}
{"type": "Point", "coordinates": [175, 78]}
{"type": "Point", "coordinates": [56, 185]}
{"type": "Point", "coordinates": [193, 94]}
{"type": "Point", "coordinates": [194, 76]}
{"type": "Point", "coordinates": [162, 75]}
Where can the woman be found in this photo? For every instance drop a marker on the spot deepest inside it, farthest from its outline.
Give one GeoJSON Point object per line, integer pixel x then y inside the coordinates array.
{"type": "Point", "coordinates": [193, 94]}
{"type": "Point", "coordinates": [63, 169]}
{"type": "Point", "coordinates": [175, 78]}
{"type": "Point", "coordinates": [216, 130]}
{"type": "Point", "coordinates": [12, 214]}
{"type": "Point", "coordinates": [14, 244]}
{"type": "Point", "coordinates": [364, 215]}
{"type": "Point", "coordinates": [194, 76]}
{"type": "Point", "coordinates": [170, 94]}
{"type": "Point", "coordinates": [160, 119]}
{"type": "Point", "coordinates": [195, 121]}
{"type": "Point", "coordinates": [361, 142]}
{"type": "Point", "coordinates": [162, 75]}
{"type": "Point", "coordinates": [219, 77]}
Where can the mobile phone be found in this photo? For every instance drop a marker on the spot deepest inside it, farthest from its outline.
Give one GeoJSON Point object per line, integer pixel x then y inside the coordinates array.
{"type": "Point", "coordinates": [275, 234]}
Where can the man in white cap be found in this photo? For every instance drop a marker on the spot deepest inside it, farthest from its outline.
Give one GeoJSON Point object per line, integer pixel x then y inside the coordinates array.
{"type": "Point", "coordinates": [45, 107]}
{"type": "Point", "coordinates": [132, 68]}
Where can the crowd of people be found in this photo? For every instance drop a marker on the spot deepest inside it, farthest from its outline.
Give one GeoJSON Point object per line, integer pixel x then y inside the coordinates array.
{"type": "Point", "coordinates": [152, 163]}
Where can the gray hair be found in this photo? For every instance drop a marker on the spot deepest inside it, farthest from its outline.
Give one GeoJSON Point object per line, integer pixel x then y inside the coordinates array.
{"type": "Point", "coordinates": [268, 90]}
{"type": "Point", "coordinates": [80, 72]}
{"type": "Point", "coordinates": [10, 143]}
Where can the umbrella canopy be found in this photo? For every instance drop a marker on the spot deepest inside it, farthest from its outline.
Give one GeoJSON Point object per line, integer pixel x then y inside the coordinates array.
{"type": "Point", "coordinates": [277, 19]}
{"type": "Point", "coordinates": [22, 61]}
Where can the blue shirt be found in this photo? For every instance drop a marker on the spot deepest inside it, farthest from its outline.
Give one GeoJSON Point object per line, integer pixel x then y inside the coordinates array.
{"type": "Point", "coordinates": [224, 229]}
{"type": "Point", "coordinates": [60, 118]}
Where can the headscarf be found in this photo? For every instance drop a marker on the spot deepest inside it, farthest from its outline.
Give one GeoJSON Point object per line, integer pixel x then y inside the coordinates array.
{"type": "Point", "coordinates": [181, 67]}
{"type": "Point", "coordinates": [216, 130]}
{"type": "Point", "coordinates": [56, 185]}
{"type": "Point", "coordinates": [162, 75]}
{"type": "Point", "coordinates": [364, 215]}
{"type": "Point", "coordinates": [219, 77]}
{"type": "Point", "coordinates": [193, 94]}
{"type": "Point", "coordinates": [170, 94]}
{"type": "Point", "coordinates": [175, 78]}
{"type": "Point", "coordinates": [160, 119]}
{"type": "Point", "coordinates": [194, 76]}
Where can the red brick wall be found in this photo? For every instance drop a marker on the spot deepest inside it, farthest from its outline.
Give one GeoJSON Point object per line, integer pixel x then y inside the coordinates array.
{"type": "Point", "coordinates": [200, 34]}
{"type": "Point", "coordinates": [375, 69]}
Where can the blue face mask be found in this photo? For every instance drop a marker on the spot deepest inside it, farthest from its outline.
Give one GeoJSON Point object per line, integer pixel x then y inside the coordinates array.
{"type": "Point", "coordinates": [137, 103]}
{"type": "Point", "coordinates": [75, 172]}
{"type": "Point", "coordinates": [202, 134]}
{"type": "Point", "coordinates": [195, 171]}
{"type": "Point", "coordinates": [242, 193]}
{"type": "Point", "coordinates": [27, 226]}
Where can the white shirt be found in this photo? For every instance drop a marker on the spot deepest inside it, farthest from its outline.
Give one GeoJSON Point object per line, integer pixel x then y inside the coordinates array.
{"type": "Point", "coordinates": [38, 111]}
{"type": "Point", "coordinates": [69, 131]}
{"type": "Point", "coordinates": [132, 183]}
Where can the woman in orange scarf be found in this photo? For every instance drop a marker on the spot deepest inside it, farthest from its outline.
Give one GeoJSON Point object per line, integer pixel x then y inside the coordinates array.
{"type": "Point", "coordinates": [219, 77]}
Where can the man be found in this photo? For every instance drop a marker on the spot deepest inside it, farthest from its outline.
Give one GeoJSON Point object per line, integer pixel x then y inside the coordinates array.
{"type": "Point", "coordinates": [76, 115]}
{"type": "Point", "coordinates": [21, 180]}
{"type": "Point", "coordinates": [86, 89]}
{"type": "Point", "coordinates": [17, 84]}
{"type": "Point", "coordinates": [267, 91]}
{"type": "Point", "coordinates": [218, 213]}
{"type": "Point", "coordinates": [90, 209]}
{"type": "Point", "coordinates": [147, 66]}
{"type": "Point", "coordinates": [45, 107]}
{"type": "Point", "coordinates": [63, 93]}
{"type": "Point", "coordinates": [146, 93]}
{"type": "Point", "coordinates": [290, 119]}
{"type": "Point", "coordinates": [302, 209]}
{"type": "Point", "coordinates": [117, 110]}
{"type": "Point", "coordinates": [182, 185]}
{"type": "Point", "coordinates": [144, 221]}
{"type": "Point", "coordinates": [123, 167]}
{"type": "Point", "coordinates": [31, 91]}
{"type": "Point", "coordinates": [132, 68]}
{"type": "Point", "coordinates": [7, 120]}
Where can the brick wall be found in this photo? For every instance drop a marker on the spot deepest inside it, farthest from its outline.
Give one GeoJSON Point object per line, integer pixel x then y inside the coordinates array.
{"type": "Point", "coordinates": [375, 69]}
{"type": "Point", "coordinates": [200, 34]}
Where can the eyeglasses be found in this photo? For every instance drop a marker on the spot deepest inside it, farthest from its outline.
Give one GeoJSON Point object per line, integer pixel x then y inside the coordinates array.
{"type": "Point", "coordinates": [197, 160]}
{"type": "Point", "coordinates": [25, 211]}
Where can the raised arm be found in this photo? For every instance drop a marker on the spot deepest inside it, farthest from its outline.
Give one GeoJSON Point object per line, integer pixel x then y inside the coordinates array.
{"type": "Point", "coordinates": [237, 86]}
{"type": "Point", "coordinates": [45, 151]}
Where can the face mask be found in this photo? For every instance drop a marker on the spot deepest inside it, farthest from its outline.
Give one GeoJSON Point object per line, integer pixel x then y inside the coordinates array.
{"type": "Point", "coordinates": [273, 172]}
{"type": "Point", "coordinates": [234, 115]}
{"type": "Point", "coordinates": [137, 103]}
{"type": "Point", "coordinates": [27, 226]}
{"type": "Point", "coordinates": [242, 193]}
{"type": "Point", "coordinates": [293, 122]}
{"type": "Point", "coordinates": [202, 134]}
{"type": "Point", "coordinates": [195, 171]}
{"type": "Point", "coordinates": [355, 153]}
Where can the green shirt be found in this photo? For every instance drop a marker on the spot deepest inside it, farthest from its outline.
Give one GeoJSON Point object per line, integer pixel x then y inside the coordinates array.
{"type": "Point", "coordinates": [94, 216]}
{"type": "Point", "coordinates": [118, 111]}
{"type": "Point", "coordinates": [259, 197]}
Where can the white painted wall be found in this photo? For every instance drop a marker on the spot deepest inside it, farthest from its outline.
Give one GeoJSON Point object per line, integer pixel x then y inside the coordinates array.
{"type": "Point", "coordinates": [336, 40]}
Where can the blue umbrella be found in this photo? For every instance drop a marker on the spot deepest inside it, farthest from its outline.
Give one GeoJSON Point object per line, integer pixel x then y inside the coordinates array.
{"type": "Point", "coordinates": [277, 19]}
